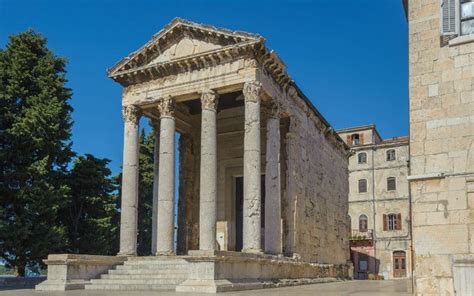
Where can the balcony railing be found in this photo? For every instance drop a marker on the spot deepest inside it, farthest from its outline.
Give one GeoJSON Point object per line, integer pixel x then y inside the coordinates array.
{"type": "Point", "coordinates": [356, 234]}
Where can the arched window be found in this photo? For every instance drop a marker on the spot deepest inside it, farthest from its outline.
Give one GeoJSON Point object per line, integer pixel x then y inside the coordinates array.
{"type": "Point", "coordinates": [362, 157]}
{"type": "Point", "coordinates": [391, 183]}
{"type": "Point", "coordinates": [355, 139]}
{"type": "Point", "coordinates": [362, 185]}
{"type": "Point", "coordinates": [363, 223]}
{"type": "Point", "coordinates": [391, 155]}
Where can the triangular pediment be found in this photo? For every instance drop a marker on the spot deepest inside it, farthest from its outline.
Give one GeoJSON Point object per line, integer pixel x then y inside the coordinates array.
{"type": "Point", "coordinates": [180, 39]}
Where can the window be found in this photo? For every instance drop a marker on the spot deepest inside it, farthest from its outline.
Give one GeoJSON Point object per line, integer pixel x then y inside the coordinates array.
{"type": "Point", "coordinates": [363, 223]}
{"type": "Point", "coordinates": [391, 155]}
{"type": "Point", "coordinates": [391, 184]}
{"type": "Point", "coordinates": [362, 157]}
{"type": "Point", "coordinates": [392, 222]}
{"type": "Point", "coordinates": [362, 185]}
{"type": "Point", "coordinates": [467, 17]}
{"type": "Point", "coordinates": [355, 139]}
{"type": "Point", "coordinates": [457, 18]}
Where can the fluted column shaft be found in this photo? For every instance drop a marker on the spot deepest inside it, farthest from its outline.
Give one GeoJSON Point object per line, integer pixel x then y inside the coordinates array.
{"type": "Point", "coordinates": [156, 154]}
{"type": "Point", "coordinates": [166, 178]}
{"type": "Point", "coordinates": [208, 176]}
{"type": "Point", "coordinates": [273, 244]}
{"type": "Point", "coordinates": [129, 213]}
{"type": "Point", "coordinates": [252, 169]}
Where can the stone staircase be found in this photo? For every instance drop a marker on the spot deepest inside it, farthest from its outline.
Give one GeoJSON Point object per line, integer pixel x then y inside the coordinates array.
{"type": "Point", "coordinates": [143, 273]}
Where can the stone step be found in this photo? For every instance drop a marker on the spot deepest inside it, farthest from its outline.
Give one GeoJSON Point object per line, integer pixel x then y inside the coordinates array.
{"type": "Point", "coordinates": [145, 276]}
{"type": "Point", "coordinates": [156, 258]}
{"type": "Point", "coordinates": [153, 263]}
{"type": "Point", "coordinates": [147, 272]}
{"type": "Point", "coordinates": [152, 266]}
{"type": "Point", "coordinates": [130, 287]}
{"type": "Point", "coordinates": [137, 281]}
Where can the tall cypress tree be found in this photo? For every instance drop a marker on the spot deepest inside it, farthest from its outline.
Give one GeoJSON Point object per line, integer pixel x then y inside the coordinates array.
{"type": "Point", "coordinates": [35, 128]}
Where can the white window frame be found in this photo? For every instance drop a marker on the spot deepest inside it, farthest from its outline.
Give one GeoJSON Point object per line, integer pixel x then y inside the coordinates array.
{"type": "Point", "coordinates": [392, 222]}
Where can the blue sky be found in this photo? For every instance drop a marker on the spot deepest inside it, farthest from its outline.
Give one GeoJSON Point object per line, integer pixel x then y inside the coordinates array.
{"type": "Point", "coordinates": [349, 57]}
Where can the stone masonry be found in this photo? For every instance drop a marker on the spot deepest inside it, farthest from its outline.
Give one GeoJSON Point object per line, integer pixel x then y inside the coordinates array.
{"type": "Point", "coordinates": [441, 62]}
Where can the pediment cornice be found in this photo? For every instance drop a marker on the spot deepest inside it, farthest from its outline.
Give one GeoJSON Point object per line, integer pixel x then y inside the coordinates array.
{"type": "Point", "coordinates": [172, 33]}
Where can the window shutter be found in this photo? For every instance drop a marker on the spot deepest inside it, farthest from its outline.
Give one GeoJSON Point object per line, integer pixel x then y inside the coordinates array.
{"type": "Point", "coordinates": [361, 139]}
{"type": "Point", "coordinates": [448, 17]}
{"type": "Point", "coordinates": [385, 226]}
{"type": "Point", "coordinates": [399, 221]}
{"type": "Point", "coordinates": [349, 140]}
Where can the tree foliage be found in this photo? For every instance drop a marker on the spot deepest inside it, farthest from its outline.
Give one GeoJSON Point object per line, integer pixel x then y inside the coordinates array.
{"type": "Point", "coordinates": [90, 213]}
{"type": "Point", "coordinates": [145, 197]}
{"type": "Point", "coordinates": [47, 203]}
{"type": "Point", "coordinates": [35, 128]}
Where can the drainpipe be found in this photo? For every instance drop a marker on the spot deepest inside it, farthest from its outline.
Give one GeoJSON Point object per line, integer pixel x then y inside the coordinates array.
{"type": "Point", "coordinates": [374, 231]}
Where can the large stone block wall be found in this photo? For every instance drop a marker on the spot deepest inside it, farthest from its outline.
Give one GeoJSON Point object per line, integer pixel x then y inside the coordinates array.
{"type": "Point", "coordinates": [442, 142]}
{"type": "Point", "coordinates": [318, 187]}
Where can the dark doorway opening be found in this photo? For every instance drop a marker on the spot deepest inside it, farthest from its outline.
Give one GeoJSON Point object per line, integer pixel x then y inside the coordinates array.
{"type": "Point", "coordinates": [239, 211]}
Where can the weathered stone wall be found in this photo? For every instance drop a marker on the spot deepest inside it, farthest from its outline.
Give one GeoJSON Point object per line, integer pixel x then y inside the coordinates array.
{"type": "Point", "coordinates": [441, 142]}
{"type": "Point", "coordinates": [318, 188]}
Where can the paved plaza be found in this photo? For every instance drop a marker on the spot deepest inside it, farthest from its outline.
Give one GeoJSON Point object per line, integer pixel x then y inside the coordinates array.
{"type": "Point", "coordinates": [353, 288]}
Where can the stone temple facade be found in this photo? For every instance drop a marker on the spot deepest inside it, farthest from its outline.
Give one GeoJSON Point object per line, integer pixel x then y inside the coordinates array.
{"type": "Point", "coordinates": [263, 180]}
{"type": "Point", "coordinates": [379, 203]}
{"type": "Point", "coordinates": [441, 70]}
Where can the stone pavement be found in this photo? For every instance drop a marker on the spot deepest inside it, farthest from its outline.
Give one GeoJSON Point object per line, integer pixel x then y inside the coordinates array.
{"type": "Point", "coordinates": [353, 288]}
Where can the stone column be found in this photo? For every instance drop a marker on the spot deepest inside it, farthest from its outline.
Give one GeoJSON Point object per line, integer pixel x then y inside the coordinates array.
{"type": "Point", "coordinates": [166, 178]}
{"type": "Point", "coordinates": [208, 176]}
{"type": "Point", "coordinates": [129, 213]}
{"type": "Point", "coordinates": [273, 244]}
{"type": "Point", "coordinates": [156, 154]}
{"type": "Point", "coordinates": [252, 169]}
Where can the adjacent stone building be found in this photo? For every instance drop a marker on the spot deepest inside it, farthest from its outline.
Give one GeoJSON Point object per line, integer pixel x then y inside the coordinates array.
{"type": "Point", "coordinates": [441, 70]}
{"type": "Point", "coordinates": [378, 203]}
{"type": "Point", "coordinates": [263, 180]}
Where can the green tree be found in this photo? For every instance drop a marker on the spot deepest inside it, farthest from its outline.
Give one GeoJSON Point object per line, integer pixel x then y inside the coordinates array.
{"type": "Point", "coordinates": [35, 128]}
{"type": "Point", "coordinates": [90, 214]}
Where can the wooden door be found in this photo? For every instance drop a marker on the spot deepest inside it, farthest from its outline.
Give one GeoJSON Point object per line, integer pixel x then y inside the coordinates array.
{"type": "Point", "coordinates": [399, 264]}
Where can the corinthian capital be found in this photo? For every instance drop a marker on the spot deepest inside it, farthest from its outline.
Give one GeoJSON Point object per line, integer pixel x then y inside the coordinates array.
{"type": "Point", "coordinates": [252, 91]}
{"type": "Point", "coordinates": [209, 100]}
{"type": "Point", "coordinates": [166, 106]}
{"type": "Point", "coordinates": [131, 113]}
